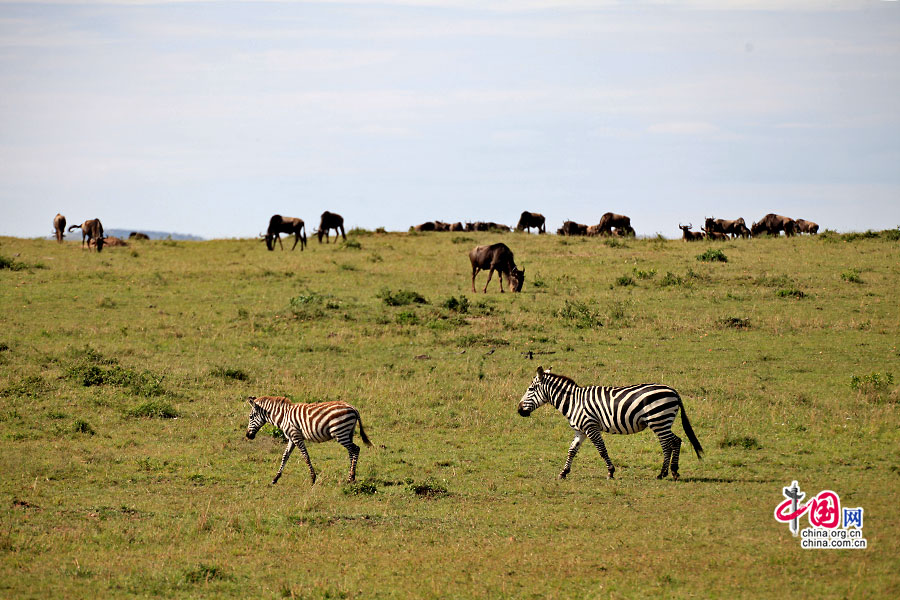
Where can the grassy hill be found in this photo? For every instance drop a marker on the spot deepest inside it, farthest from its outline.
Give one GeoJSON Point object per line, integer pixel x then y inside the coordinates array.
{"type": "Point", "coordinates": [126, 472]}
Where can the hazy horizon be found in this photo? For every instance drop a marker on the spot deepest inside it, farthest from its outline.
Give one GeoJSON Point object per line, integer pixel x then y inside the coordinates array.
{"type": "Point", "coordinates": [207, 118]}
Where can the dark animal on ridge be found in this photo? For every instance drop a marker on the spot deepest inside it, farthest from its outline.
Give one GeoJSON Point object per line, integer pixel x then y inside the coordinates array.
{"type": "Point", "coordinates": [91, 229]}
{"type": "Point", "coordinates": [688, 235]}
{"type": "Point", "coordinates": [610, 220]}
{"type": "Point", "coordinates": [457, 227]}
{"type": "Point", "coordinates": [529, 220]}
{"type": "Point", "coordinates": [497, 257]}
{"type": "Point", "coordinates": [773, 224]}
{"type": "Point", "coordinates": [288, 225]}
{"type": "Point", "coordinates": [717, 236]}
{"type": "Point", "coordinates": [331, 221]}
{"type": "Point", "coordinates": [595, 410]}
{"type": "Point", "coordinates": [735, 227]}
{"type": "Point", "coordinates": [135, 235]}
{"type": "Point", "coordinates": [59, 227]}
{"type": "Point", "coordinates": [572, 228]}
{"type": "Point", "coordinates": [426, 226]}
{"type": "Point", "coordinates": [804, 226]}
{"type": "Point", "coordinates": [314, 422]}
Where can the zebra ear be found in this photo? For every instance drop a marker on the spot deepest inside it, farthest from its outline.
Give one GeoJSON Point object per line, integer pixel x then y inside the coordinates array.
{"type": "Point", "coordinates": [250, 400]}
{"type": "Point", "coordinates": [540, 373]}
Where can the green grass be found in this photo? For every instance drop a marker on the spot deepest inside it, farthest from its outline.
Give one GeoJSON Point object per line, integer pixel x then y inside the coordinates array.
{"type": "Point", "coordinates": [126, 472]}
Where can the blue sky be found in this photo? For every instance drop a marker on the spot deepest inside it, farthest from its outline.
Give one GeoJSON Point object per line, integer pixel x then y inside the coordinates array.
{"type": "Point", "coordinates": [208, 117]}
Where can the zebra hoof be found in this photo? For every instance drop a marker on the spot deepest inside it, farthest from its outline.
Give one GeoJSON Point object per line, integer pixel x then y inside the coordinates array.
{"type": "Point", "coordinates": [562, 475]}
{"type": "Point", "coordinates": [674, 476]}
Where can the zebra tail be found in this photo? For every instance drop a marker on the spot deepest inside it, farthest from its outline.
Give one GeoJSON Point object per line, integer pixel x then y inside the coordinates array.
{"type": "Point", "coordinates": [686, 425]}
{"type": "Point", "coordinates": [362, 433]}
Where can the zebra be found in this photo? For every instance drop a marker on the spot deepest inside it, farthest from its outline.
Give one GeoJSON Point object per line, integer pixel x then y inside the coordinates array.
{"type": "Point", "coordinates": [315, 422]}
{"type": "Point", "coordinates": [593, 410]}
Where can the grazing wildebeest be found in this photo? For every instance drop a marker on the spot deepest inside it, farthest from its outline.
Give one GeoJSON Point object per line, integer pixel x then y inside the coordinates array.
{"type": "Point", "coordinates": [331, 221]}
{"type": "Point", "coordinates": [59, 227]}
{"type": "Point", "coordinates": [110, 241]}
{"type": "Point", "coordinates": [610, 220]}
{"type": "Point", "coordinates": [804, 226]}
{"type": "Point", "coordinates": [572, 228]}
{"type": "Point", "coordinates": [457, 227]}
{"type": "Point", "coordinates": [497, 257]}
{"type": "Point", "coordinates": [735, 227]}
{"type": "Point", "coordinates": [529, 220]}
{"type": "Point", "coordinates": [288, 225]}
{"type": "Point", "coordinates": [773, 225]}
{"type": "Point", "coordinates": [426, 226]}
{"type": "Point", "coordinates": [717, 236]}
{"type": "Point", "coordinates": [688, 235]}
{"type": "Point", "coordinates": [741, 230]}
{"type": "Point", "coordinates": [91, 229]}
{"type": "Point", "coordinates": [136, 235]}
{"type": "Point", "coordinates": [441, 226]}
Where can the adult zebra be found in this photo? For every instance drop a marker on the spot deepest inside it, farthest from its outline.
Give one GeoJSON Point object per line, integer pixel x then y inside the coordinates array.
{"type": "Point", "coordinates": [593, 410]}
{"type": "Point", "coordinates": [316, 422]}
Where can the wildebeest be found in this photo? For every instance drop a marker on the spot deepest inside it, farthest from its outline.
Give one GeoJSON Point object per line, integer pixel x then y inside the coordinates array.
{"type": "Point", "coordinates": [496, 257]}
{"type": "Point", "coordinates": [426, 226]}
{"type": "Point", "coordinates": [736, 227]}
{"type": "Point", "coordinates": [92, 229]}
{"type": "Point", "coordinates": [688, 235]}
{"type": "Point", "coordinates": [610, 220]}
{"type": "Point", "coordinates": [572, 228]}
{"type": "Point", "coordinates": [715, 235]}
{"type": "Point", "coordinates": [288, 225]}
{"type": "Point", "coordinates": [441, 226]}
{"type": "Point", "coordinates": [110, 241]}
{"type": "Point", "coordinates": [59, 227]}
{"type": "Point", "coordinates": [529, 220]}
{"type": "Point", "coordinates": [136, 235]}
{"type": "Point", "coordinates": [774, 224]}
{"type": "Point", "coordinates": [329, 221]}
{"type": "Point", "coordinates": [804, 226]}
{"type": "Point", "coordinates": [457, 227]}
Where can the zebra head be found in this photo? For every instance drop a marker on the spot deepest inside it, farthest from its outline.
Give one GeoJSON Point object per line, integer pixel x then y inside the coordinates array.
{"type": "Point", "coordinates": [535, 395]}
{"type": "Point", "coordinates": [257, 417]}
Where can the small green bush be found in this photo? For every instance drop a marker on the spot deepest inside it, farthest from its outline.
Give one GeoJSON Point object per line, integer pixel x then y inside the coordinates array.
{"type": "Point", "coordinates": [351, 244]}
{"type": "Point", "coordinates": [205, 573]}
{"type": "Point", "coordinates": [791, 293]}
{"type": "Point", "coordinates": [712, 255]}
{"type": "Point", "coordinates": [360, 488]}
{"type": "Point", "coordinates": [461, 239]}
{"type": "Point", "coordinates": [459, 305]}
{"type": "Point", "coordinates": [872, 382]}
{"type": "Point", "coordinates": [852, 276]}
{"type": "Point", "coordinates": [625, 281]}
{"type": "Point", "coordinates": [648, 274]}
{"type": "Point", "coordinates": [736, 322]}
{"type": "Point", "coordinates": [407, 317]}
{"type": "Point", "coordinates": [153, 409]}
{"type": "Point", "coordinates": [226, 373]}
{"type": "Point", "coordinates": [580, 314]}
{"type": "Point", "coordinates": [401, 297]}
{"type": "Point", "coordinates": [739, 441]}
{"type": "Point", "coordinates": [671, 279]}
{"type": "Point", "coordinates": [82, 426]}
{"type": "Point", "coordinates": [430, 488]}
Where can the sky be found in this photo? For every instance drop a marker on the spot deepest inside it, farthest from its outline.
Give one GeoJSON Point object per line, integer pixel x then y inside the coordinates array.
{"type": "Point", "coordinates": [208, 117]}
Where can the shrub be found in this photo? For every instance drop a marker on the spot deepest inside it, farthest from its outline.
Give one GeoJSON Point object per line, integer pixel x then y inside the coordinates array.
{"type": "Point", "coordinates": [851, 275]}
{"type": "Point", "coordinates": [401, 297]}
{"type": "Point", "coordinates": [461, 239]}
{"type": "Point", "coordinates": [739, 441]}
{"type": "Point", "coordinates": [873, 382]}
{"type": "Point", "coordinates": [712, 255]}
{"type": "Point", "coordinates": [791, 293]}
{"type": "Point", "coordinates": [153, 409]}
{"type": "Point", "coordinates": [236, 374]}
{"type": "Point", "coordinates": [407, 317]}
{"type": "Point", "coordinates": [580, 314]}
{"type": "Point", "coordinates": [430, 488]}
{"type": "Point", "coordinates": [624, 281]}
{"type": "Point", "coordinates": [671, 278]}
{"type": "Point", "coordinates": [736, 322]}
{"type": "Point", "coordinates": [648, 274]}
{"type": "Point", "coordinates": [82, 426]}
{"type": "Point", "coordinates": [459, 305]}
{"type": "Point", "coordinates": [360, 488]}
{"type": "Point", "coordinates": [351, 244]}
{"type": "Point", "coordinates": [205, 573]}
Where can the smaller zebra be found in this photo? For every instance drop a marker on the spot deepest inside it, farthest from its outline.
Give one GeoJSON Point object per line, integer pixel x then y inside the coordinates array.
{"type": "Point", "coordinates": [594, 410]}
{"type": "Point", "coordinates": [314, 422]}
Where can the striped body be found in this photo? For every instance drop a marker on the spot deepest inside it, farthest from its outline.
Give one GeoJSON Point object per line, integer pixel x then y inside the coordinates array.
{"type": "Point", "coordinates": [301, 423]}
{"type": "Point", "coordinates": [594, 410]}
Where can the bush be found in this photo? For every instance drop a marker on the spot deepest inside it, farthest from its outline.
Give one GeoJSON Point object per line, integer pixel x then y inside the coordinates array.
{"type": "Point", "coordinates": [153, 409]}
{"type": "Point", "coordinates": [580, 314]}
{"type": "Point", "coordinates": [671, 278]}
{"type": "Point", "coordinates": [360, 488]}
{"type": "Point", "coordinates": [648, 274]}
{"type": "Point", "coordinates": [430, 488]}
{"type": "Point", "coordinates": [407, 317]}
{"type": "Point", "coordinates": [82, 426]}
{"type": "Point", "coordinates": [461, 239]}
{"type": "Point", "coordinates": [351, 244]}
{"type": "Point", "coordinates": [236, 374]}
{"type": "Point", "coordinates": [791, 293]}
{"type": "Point", "coordinates": [459, 305]}
{"type": "Point", "coordinates": [712, 255]}
{"type": "Point", "coordinates": [851, 275]}
{"type": "Point", "coordinates": [736, 322]}
{"type": "Point", "coordinates": [872, 382]}
{"type": "Point", "coordinates": [624, 281]}
{"type": "Point", "coordinates": [739, 441]}
{"type": "Point", "coordinates": [401, 298]}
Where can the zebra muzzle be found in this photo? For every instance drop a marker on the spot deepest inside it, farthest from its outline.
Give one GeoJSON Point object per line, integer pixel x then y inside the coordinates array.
{"type": "Point", "coordinates": [524, 413]}
{"type": "Point", "coordinates": [250, 436]}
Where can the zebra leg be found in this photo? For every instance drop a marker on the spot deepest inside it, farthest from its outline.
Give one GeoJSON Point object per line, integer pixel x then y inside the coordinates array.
{"type": "Point", "coordinates": [297, 439]}
{"type": "Point", "coordinates": [597, 438]}
{"type": "Point", "coordinates": [676, 450]}
{"type": "Point", "coordinates": [671, 446]}
{"type": "Point", "coordinates": [284, 459]}
{"type": "Point", "coordinates": [573, 450]}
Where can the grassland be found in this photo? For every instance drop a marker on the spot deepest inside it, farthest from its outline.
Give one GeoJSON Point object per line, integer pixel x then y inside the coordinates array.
{"type": "Point", "coordinates": [125, 471]}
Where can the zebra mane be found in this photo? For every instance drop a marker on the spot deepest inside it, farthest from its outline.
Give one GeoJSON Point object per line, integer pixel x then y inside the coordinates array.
{"type": "Point", "coordinates": [273, 400]}
{"type": "Point", "coordinates": [560, 376]}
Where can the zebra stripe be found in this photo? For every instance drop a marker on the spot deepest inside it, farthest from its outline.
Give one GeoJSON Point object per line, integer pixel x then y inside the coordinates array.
{"type": "Point", "coordinates": [594, 410]}
{"type": "Point", "coordinates": [316, 422]}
